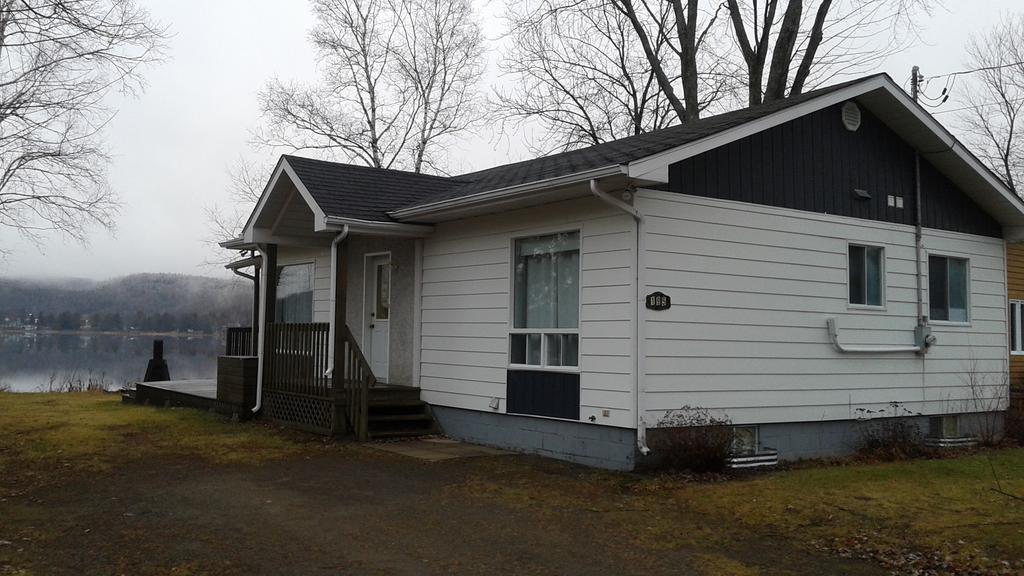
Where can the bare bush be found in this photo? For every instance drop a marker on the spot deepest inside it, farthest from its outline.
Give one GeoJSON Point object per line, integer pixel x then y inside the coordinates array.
{"type": "Point", "coordinates": [891, 433]}
{"type": "Point", "coordinates": [692, 438]}
{"type": "Point", "coordinates": [75, 381]}
{"type": "Point", "coordinates": [989, 392]}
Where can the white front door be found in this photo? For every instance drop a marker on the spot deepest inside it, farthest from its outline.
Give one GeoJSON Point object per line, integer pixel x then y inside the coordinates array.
{"type": "Point", "coordinates": [378, 305]}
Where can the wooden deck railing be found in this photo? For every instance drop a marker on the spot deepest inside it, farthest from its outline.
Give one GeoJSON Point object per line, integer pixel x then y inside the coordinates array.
{"type": "Point", "coordinates": [240, 342]}
{"type": "Point", "coordinates": [353, 379]}
{"type": "Point", "coordinates": [298, 358]}
{"type": "Point", "coordinates": [297, 389]}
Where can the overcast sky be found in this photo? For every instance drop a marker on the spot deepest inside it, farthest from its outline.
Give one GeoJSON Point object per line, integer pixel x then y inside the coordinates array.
{"type": "Point", "coordinates": [172, 146]}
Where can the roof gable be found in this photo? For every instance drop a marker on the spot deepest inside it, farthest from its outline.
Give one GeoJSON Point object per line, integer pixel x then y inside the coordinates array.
{"type": "Point", "coordinates": [814, 163]}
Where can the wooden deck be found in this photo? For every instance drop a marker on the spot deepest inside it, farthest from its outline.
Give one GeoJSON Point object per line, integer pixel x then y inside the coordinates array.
{"type": "Point", "coordinates": [200, 394]}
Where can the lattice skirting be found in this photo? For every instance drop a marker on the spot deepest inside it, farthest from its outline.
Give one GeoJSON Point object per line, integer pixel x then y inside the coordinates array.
{"type": "Point", "coordinates": [298, 410]}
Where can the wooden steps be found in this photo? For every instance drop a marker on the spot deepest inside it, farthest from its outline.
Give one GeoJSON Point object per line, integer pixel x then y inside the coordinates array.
{"type": "Point", "coordinates": [397, 411]}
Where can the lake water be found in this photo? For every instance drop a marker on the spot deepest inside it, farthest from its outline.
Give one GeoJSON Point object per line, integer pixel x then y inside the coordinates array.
{"type": "Point", "coordinates": [37, 362]}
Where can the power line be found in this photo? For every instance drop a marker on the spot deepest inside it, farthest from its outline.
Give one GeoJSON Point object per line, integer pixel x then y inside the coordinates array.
{"type": "Point", "coordinates": [982, 105]}
{"type": "Point", "coordinates": [973, 70]}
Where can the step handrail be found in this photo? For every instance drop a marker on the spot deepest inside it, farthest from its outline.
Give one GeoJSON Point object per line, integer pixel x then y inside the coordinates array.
{"type": "Point", "coordinates": [354, 377]}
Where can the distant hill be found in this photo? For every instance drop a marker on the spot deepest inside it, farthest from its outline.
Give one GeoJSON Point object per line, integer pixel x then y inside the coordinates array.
{"type": "Point", "coordinates": [140, 301]}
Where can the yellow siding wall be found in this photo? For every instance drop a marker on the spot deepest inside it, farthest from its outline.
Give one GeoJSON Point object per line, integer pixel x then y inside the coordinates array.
{"type": "Point", "coordinates": [1015, 290]}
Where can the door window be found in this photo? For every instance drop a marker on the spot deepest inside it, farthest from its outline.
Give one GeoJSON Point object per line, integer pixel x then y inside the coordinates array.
{"type": "Point", "coordinates": [383, 291]}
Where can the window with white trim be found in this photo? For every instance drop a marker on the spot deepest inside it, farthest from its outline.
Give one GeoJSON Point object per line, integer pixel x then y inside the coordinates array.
{"type": "Point", "coordinates": [866, 269]}
{"type": "Point", "coordinates": [546, 301]}
{"type": "Point", "coordinates": [947, 288]}
{"type": "Point", "coordinates": [294, 293]}
{"type": "Point", "coordinates": [1016, 341]}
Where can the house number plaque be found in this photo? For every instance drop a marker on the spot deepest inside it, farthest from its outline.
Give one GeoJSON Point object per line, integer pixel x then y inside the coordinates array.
{"type": "Point", "coordinates": [658, 301]}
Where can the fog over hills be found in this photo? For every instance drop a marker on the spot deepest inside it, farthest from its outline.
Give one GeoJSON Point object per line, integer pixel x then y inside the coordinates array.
{"type": "Point", "coordinates": [220, 301]}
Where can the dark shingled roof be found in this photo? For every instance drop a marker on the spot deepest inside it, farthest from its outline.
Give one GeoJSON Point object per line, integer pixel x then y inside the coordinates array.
{"type": "Point", "coordinates": [362, 192]}
{"type": "Point", "coordinates": [370, 193]}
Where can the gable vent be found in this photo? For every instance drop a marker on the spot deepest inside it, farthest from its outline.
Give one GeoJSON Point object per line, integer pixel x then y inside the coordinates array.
{"type": "Point", "coordinates": [851, 116]}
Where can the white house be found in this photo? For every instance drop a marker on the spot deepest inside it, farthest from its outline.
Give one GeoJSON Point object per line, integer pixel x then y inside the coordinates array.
{"type": "Point", "coordinates": [792, 266]}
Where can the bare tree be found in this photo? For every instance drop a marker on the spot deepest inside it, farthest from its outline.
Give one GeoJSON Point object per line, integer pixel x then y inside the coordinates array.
{"type": "Point", "coordinates": [247, 181]}
{"type": "Point", "coordinates": [787, 50]}
{"type": "Point", "coordinates": [580, 73]}
{"type": "Point", "coordinates": [58, 61]}
{"type": "Point", "coordinates": [398, 78]}
{"type": "Point", "coordinates": [994, 116]}
{"type": "Point", "coordinates": [686, 33]}
{"type": "Point", "coordinates": [594, 70]}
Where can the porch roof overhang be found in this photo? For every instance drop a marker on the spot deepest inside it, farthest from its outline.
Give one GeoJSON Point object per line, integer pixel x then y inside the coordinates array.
{"type": "Point", "coordinates": [288, 212]}
{"type": "Point", "coordinates": [237, 244]}
{"type": "Point", "coordinates": [243, 263]}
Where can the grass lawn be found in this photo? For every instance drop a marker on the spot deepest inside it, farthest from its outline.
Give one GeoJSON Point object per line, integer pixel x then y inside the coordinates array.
{"type": "Point", "coordinates": [941, 515]}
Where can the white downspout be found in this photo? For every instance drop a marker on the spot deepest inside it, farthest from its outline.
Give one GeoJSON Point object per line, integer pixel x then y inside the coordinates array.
{"type": "Point", "coordinates": [334, 298]}
{"type": "Point", "coordinates": [641, 427]}
{"type": "Point", "coordinates": [261, 330]}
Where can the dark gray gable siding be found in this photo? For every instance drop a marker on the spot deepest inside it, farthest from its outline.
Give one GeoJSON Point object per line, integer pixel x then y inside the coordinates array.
{"type": "Point", "coordinates": [813, 163]}
{"type": "Point", "coordinates": [620, 151]}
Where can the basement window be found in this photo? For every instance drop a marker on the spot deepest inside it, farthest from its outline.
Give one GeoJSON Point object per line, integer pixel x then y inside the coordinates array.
{"type": "Point", "coordinates": [744, 440]}
{"type": "Point", "coordinates": [947, 426]}
{"type": "Point", "coordinates": [866, 275]}
{"type": "Point", "coordinates": [1016, 341]}
{"type": "Point", "coordinates": [546, 302]}
{"type": "Point", "coordinates": [947, 289]}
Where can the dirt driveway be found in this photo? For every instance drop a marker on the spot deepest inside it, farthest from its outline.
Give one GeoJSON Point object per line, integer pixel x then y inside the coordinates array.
{"type": "Point", "coordinates": [361, 511]}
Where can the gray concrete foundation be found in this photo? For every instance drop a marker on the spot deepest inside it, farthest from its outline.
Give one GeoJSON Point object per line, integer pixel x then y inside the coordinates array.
{"type": "Point", "coordinates": [615, 448]}
{"type": "Point", "coordinates": [588, 444]}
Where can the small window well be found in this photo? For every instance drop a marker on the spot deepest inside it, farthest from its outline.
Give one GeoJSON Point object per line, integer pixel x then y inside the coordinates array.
{"type": "Point", "coordinates": [747, 451]}
{"type": "Point", "coordinates": [944, 432]}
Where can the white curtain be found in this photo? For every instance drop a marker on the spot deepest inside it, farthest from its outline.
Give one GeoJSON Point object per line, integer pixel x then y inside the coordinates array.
{"type": "Point", "coordinates": [547, 293]}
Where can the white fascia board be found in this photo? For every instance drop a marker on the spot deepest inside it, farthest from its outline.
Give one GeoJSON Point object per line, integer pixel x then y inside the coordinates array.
{"type": "Point", "coordinates": [507, 193]}
{"type": "Point", "coordinates": [953, 145]}
{"type": "Point", "coordinates": [655, 167]}
{"type": "Point", "coordinates": [235, 244]}
{"type": "Point", "coordinates": [243, 263]}
{"type": "Point", "coordinates": [371, 227]}
{"type": "Point", "coordinates": [247, 235]}
{"type": "Point", "coordinates": [319, 219]}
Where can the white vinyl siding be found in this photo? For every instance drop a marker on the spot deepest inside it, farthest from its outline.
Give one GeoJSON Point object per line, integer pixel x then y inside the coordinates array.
{"type": "Point", "coordinates": [752, 287]}
{"type": "Point", "coordinates": [467, 311]}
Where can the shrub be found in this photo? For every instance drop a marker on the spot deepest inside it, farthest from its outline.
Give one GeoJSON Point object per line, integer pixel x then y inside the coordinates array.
{"type": "Point", "coordinates": [692, 439]}
{"type": "Point", "coordinates": [988, 393]}
{"type": "Point", "coordinates": [890, 434]}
